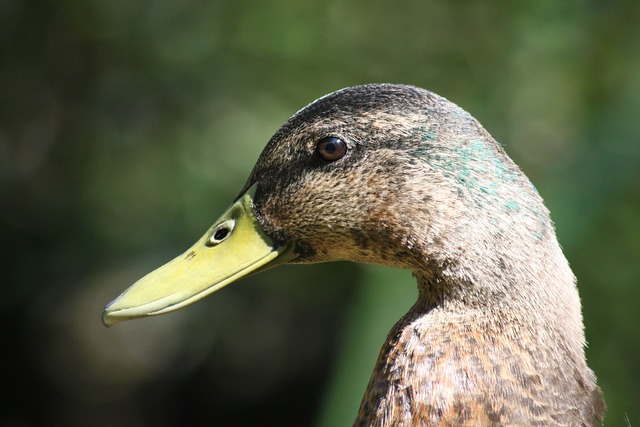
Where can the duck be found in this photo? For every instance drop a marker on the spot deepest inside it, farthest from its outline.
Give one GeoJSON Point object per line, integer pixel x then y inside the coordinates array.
{"type": "Point", "coordinates": [399, 176]}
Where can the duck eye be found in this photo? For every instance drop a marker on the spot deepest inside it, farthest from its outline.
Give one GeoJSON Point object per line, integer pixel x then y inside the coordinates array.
{"type": "Point", "coordinates": [220, 233]}
{"type": "Point", "coordinates": [331, 148]}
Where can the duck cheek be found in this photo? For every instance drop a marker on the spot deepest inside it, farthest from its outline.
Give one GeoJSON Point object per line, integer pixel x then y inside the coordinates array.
{"type": "Point", "coordinates": [315, 224]}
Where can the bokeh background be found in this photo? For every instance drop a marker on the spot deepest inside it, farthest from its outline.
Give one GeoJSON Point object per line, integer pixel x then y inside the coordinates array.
{"type": "Point", "coordinates": [127, 126]}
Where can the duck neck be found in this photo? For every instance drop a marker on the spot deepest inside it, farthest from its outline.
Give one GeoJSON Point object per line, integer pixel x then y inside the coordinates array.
{"type": "Point", "coordinates": [454, 362]}
{"type": "Point", "coordinates": [537, 297]}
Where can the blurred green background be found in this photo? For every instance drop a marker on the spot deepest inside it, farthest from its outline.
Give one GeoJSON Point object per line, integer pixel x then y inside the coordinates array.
{"type": "Point", "coordinates": [126, 127]}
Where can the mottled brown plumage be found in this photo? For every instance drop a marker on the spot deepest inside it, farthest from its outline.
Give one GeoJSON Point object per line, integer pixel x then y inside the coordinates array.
{"type": "Point", "coordinates": [396, 175]}
{"type": "Point", "coordinates": [496, 336]}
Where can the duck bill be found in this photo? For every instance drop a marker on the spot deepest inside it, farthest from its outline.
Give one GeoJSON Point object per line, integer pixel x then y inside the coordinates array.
{"type": "Point", "coordinates": [234, 247]}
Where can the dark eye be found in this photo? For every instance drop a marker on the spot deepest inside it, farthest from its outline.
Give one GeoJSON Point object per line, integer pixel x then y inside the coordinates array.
{"type": "Point", "coordinates": [331, 148]}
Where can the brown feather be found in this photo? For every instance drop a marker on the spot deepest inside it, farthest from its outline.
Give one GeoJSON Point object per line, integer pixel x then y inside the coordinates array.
{"type": "Point", "coordinates": [496, 337]}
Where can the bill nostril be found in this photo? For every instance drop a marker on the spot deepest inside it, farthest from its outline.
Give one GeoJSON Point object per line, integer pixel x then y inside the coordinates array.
{"type": "Point", "coordinates": [220, 233]}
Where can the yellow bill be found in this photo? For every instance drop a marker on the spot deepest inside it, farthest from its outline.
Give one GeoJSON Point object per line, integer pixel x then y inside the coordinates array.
{"type": "Point", "coordinates": [234, 247]}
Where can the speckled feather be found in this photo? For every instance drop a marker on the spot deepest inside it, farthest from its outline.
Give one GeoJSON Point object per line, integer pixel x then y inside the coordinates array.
{"type": "Point", "coordinates": [496, 336]}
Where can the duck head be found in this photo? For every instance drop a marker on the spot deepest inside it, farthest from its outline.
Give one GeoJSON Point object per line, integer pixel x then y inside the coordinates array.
{"type": "Point", "coordinates": [385, 174]}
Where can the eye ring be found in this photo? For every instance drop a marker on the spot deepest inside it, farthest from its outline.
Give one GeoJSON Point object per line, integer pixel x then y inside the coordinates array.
{"type": "Point", "coordinates": [331, 148]}
{"type": "Point", "coordinates": [220, 233]}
